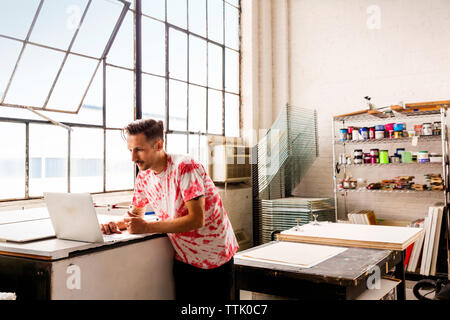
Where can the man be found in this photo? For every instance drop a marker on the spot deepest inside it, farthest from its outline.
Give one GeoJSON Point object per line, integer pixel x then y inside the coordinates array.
{"type": "Point", "coordinates": [183, 195]}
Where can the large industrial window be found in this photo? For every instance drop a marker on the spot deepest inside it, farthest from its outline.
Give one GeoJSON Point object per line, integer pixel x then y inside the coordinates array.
{"type": "Point", "coordinates": [73, 63]}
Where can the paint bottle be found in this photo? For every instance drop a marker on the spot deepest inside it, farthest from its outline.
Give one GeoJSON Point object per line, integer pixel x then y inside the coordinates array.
{"type": "Point", "coordinates": [379, 131]}
{"type": "Point", "coordinates": [372, 133]}
{"type": "Point", "coordinates": [364, 133]}
{"type": "Point", "coordinates": [427, 129]}
{"type": "Point", "coordinates": [349, 133]}
{"type": "Point", "coordinates": [418, 129]}
{"type": "Point", "coordinates": [358, 156]}
{"type": "Point", "coordinates": [343, 135]}
{"type": "Point", "coordinates": [384, 156]}
{"type": "Point", "coordinates": [437, 128]}
{"type": "Point", "coordinates": [406, 157]}
{"type": "Point", "coordinates": [423, 157]}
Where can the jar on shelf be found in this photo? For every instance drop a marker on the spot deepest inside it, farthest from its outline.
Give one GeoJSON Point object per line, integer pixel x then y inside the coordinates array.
{"type": "Point", "coordinates": [372, 133]}
{"type": "Point", "coordinates": [437, 128]}
{"type": "Point", "coordinates": [384, 156]}
{"type": "Point", "coordinates": [364, 133]}
{"type": "Point", "coordinates": [350, 133]}
{"type": "Point", "coordinates": [427, 129]}
{"type": "Point", "coordinates": [423, 157]}
{"type": "Point", "coordinates": [418, 129]}
{"type": "Point", "coordinates": [358, 156]}
{"type": "Point", "coordinates": [343, 135]}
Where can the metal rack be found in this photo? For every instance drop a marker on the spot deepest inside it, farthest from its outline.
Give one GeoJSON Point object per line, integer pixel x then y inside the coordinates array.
{"type": "Point", "coordinates": [433, 141]}
{"type": "Point", "coordinates": [278, 162]}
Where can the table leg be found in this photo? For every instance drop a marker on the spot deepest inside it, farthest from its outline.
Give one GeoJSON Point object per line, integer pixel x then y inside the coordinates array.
{"type": "Point", "coordinates": [400, 274]}
{"type": "Point", "coordinates": [237, 291]}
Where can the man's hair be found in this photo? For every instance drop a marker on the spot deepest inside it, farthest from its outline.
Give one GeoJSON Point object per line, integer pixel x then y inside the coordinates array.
{"type": "Point", "coordinates": [152, 129]}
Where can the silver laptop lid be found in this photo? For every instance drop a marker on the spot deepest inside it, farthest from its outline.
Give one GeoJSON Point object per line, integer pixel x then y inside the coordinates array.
{"type": "Point", "coordinates": [73, 216]}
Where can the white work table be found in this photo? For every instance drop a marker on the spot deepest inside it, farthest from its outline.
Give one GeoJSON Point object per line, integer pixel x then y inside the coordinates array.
{"type": "Point", "coordinates": [133, 267]}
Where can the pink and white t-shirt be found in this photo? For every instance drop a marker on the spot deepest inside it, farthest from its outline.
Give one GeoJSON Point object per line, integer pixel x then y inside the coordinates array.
{"type": "Point", "coordinates": [182, 180]}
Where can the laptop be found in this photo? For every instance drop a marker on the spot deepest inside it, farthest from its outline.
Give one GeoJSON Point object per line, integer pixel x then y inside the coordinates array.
{"type": "Point", "coordinates": [73, 217]}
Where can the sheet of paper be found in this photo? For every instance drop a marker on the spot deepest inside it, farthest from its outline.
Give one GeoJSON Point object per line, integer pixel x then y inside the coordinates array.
{"type": "Point", "coordinates": [302, 255]}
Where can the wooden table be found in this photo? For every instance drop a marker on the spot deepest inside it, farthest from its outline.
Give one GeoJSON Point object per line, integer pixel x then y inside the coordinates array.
{"type": "Point", "coordinates": [342, 277]}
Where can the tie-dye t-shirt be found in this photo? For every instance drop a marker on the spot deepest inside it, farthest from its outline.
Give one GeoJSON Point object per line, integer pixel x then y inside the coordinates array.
{"type": "Point", "coordinates": [182, 180]}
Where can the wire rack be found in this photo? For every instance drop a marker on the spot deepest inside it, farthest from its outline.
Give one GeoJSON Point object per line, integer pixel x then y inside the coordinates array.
{"type": "Point", "coordinates": [390, 116]}
{"type": "Point", "coordinates": [420, 139]}
{"type": "Point", "coordinates": [283, 156]}
{"type": "Point", "coordinates": [364, 190]}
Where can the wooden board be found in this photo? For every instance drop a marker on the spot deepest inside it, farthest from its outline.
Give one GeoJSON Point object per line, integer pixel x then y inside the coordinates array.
{"type": "Point", "coordinates": [297, 254]}
{"type": "Point", "coordinates": [352, 113]}
{"type": "Point", "coordinates": [354, 235]}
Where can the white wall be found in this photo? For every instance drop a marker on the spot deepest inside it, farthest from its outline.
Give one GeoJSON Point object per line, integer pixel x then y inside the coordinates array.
{"type": "Point", "coordinates": [328, 54]}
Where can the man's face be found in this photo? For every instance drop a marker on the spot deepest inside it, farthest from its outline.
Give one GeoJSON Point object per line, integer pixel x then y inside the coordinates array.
{"type": "Point", "coordinates": [143, 152]}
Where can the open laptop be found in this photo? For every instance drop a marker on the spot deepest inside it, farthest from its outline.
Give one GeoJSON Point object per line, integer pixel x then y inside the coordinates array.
{"type": "Point", "coordinates": [73, 217]}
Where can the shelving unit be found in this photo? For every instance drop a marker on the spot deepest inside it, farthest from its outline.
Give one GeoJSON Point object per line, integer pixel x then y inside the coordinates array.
{"type": "Point", "coordinates": [438, 143]}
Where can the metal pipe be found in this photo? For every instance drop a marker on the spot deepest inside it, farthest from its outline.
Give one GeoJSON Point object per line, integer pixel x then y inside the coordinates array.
{"type": "Point", "coordinates": [138, 59]}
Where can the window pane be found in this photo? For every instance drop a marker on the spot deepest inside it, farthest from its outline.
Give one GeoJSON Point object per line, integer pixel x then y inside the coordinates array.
{"type": "Point", "coordinates": [119, 97]}
{"type": "Point", "coordinates": [57, 22]}
{"type": "Point", "coordinates": [177, 55]}
{"type": "Point", "coordinates": [153, 46]}
{"type": "Point", "coordinates": [153, 97]}
{"type": "Point", "coordinates": [198, 148]}
{"type": "Point", "coordinates": [231, 27]}
{"type": "Point", "coordinates": [197, 109]}
{"type": "Point", "coordinates": [215, 20]}
{"type": "Point", "coordinates": [86, 163]}
{"type": "Point", "coordinates": [48, 159]}
{"type": "Point", "coordinates": [16, 17]}
{"type": "Point", "coordinates": [231, 115]}
{"type": "Point", "coordinates": [90, 113]}
{"type": "Point", "coordinates": [34, 76]}
{"type": "Point", "coordinates": [177, 144]}
{"type": "Point", "coordinates": [72, 83]}
{"type": "Point", "coordinates": [9, 52]}
{"type": "Point", "coordinates": [154, 8]}
{"type": "Point", "coordinates": [97, 27]}
{"type": "Point", "coordinates": [177, 13]}
{"type": "Point", "coordinates": [215, 66]}
{"type": "Point", "coordinates": [92, 110]}
{"type": "Point", "coordinates": [197, 17]}
{"type": "Point", "coordinates": [122, 49]}
{"type": "Point", "coordinates": [12, 160]}
{"type": "Point", "coordinates": [197, 60]}
{"type": "Point", "coordinates": [215, 111]}
{"type": "Point", "coordinates": [231, 71]}
{"type": "Point", "coordinates": [177, 105]}
{"type": "Point", "coordinates": [119, 167]}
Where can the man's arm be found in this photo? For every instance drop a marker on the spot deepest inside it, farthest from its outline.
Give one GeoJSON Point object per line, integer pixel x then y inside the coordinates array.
{"type": "Point", "coordinates": [193, 220]}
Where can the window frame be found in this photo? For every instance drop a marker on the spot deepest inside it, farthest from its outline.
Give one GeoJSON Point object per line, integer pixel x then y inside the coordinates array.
{"type": "Point", "coordinates": [138, 72]}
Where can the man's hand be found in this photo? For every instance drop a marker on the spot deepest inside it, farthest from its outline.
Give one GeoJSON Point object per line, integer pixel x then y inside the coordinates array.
{"type": "Point", "coordinates": [116, 226]}
{"type": "Point", "coordinates": [137, 225]}
{"type": "Point", "coordinates": [111, 227]}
